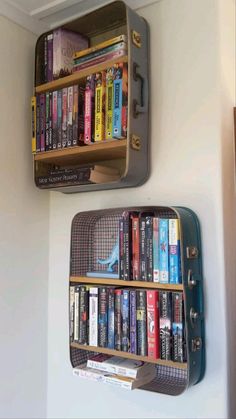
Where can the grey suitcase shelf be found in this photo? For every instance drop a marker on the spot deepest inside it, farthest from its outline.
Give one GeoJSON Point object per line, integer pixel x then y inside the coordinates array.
{"type": "Point", "coordinates": [93, 235]}
{"type": "Point", "coordinates": [129, 155]}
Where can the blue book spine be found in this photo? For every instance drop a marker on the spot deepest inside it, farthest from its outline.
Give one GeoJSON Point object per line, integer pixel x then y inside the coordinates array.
{"type": "Point", "coordinates": [111, 319]}
{"type": "Point", "coordinates": [125, 343]}
{"type": "Point", "coordinates": [174, 252]}
{"type": "Point", "coordinates": [164, 250]}
{"type": "Point", "coordinates": [155, 250]}
{"type": "Point", "coordinates": [99, 53]}
{"type": "Point", "coordinates": [133, 326]}
{"type": "Point", "coordinates": [117, 108]}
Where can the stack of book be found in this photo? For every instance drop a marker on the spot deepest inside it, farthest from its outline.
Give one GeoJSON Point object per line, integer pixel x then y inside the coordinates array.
{"type": "Point", "coordinates": [142, 322]}
{"type": "Point", "coordinates": [124, 373]}
{"type": "Point", "coordinates": [149, 248]}
{"type": "Point", "coordinates": [78, 175]}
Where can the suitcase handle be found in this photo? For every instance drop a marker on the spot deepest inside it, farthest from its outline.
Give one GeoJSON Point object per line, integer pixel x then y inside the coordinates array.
{"type": "Point", "coordinates": [139, 106]}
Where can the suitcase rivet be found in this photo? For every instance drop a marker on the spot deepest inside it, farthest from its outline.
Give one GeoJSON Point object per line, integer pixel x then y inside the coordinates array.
{"type": "Point", "coordinates": [192, 252]}
{"type": "Point", "coordinates": [136, 39]}
{"type": "Point", "coordinates": [196, 345]}
{"type": "Point", "coordinates": [135, 142]}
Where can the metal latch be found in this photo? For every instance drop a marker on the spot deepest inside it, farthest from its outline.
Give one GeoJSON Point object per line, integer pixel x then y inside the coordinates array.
{"type": "Point", "coordinates": [191, 281]}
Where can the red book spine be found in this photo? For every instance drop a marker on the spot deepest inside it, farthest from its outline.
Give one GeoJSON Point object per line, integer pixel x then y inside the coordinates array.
{"type": "Point", "coordinates": [153, 324]}
{"type": "Point", "coordinates": [135, 248]}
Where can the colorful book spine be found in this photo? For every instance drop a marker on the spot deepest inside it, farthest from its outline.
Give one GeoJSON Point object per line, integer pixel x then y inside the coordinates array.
{"type": "Point", "coordinates": [72, 312]}
{"type": "Point", "coordinates": [104, 44]}
{"type": "Point", "coordinates": [42, 122]}
{"type": "Point", "coordinates": [81, 113]}
{"type": "Point", "coordinates": [89, 110]}
{"type": "Point", "coordinates": [99, 60]}
{"type": "Point", "coordinates": [102, 317]}
{"type": "Point", "coordinates": [133, 323]}
{"type": "Point", "coordinates": [50, 119]}
{"type": "Point", "coordinates": [83, 315]}
{"type": "Point", "coordinates": [121, 248]}
{"type": "Point", "coordinates": [76, 313]}
{"type": "Point", "coordinates": [177, 327]}
{"type": "Point", "coordinates": [152, 324]}
{"type": "Point", "coordinates": [45, 74]}
{"type": "Point", "coordinates": [143, 253]}
{"type": "Point", "coordinates": [135, 247]}
{"type": "Point", "coordinates": [163, 250]}
{"type": "Point", "coordinates": [47, 121]}
{"type": "Point", "coordinates": [111, 319]}
{"type": "Point", "coordinates": [54, 120]}
{"type": "Point", "coordinates": [50, 57]}
{"type": "Point", "coordinates": [93, 316]}
{"type": "Point", "coordinates": [126, 245]}
{"type": "Point", "coordinates": [120, 100]}
{"type": "Point", "coordinates": [118, 328]}
{"type": "Point", "coordinates": [69, 116]}
{"type": "Point", "coordinates": [125, 315]}
{"type": "Point", "coordinates": [64, 117]}
{"type": "Point", "coordinates": [99, 53]}
{"type": "Point", "coordinates": [33, 122]}
{"type": "Point", "coordinates": [165, 324]}
{"type": "Point", "coordinates": [100, 87]}
{"type": "Point", "coordinates": [109, 103]}
{"type": "Point", "coordinates": [156, 277]}
{"type": "Point", "coordinates": [141, 314]}
{"type": "Point", "coordinates": [38, 134]}
{"type": "Point", "coordinates": [149, 247]}
{"type": "Point", "coordinates": [174, 252]}
{"type": "Point", "coordinates": [59, 118]}
{"type": "Point", "coordinates": [75, 127]}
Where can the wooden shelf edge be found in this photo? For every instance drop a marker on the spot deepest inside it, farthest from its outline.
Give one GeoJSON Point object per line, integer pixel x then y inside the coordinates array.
{"type": "Point", "coordinates": [75, 77]}
{"type": "Point", "coordinates": [130, 356]}
{"type": "Point", "coordinates": [120, 282]}
{"type": "Point", "coordinates": [80, 150]}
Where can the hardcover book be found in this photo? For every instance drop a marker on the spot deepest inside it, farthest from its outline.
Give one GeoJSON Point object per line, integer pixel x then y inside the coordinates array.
{"type": "Point", "coordinates": [65, 44]}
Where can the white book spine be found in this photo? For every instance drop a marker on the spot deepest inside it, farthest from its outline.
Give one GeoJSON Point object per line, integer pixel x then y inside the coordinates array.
{"type": "Point", "coordinates": [72, 306]}
{"type": "Point", "coordinates": [93, 317]}
{"type": "Point", "coordinates": [76, 317]}
{"type": "Point", "coordinates": [113, 369]}
{"type": "Point", "coordinates": [96, 376]}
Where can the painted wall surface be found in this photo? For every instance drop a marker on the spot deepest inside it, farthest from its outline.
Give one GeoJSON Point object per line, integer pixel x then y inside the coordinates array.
{"type": "Point", "coordinates": [24, 216]}
{"type": "Point", "coordinates": [192, 96]}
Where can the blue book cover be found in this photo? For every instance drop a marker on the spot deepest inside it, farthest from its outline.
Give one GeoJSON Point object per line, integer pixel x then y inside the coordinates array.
{"type": "Point", "coordinates": [164, 250]}
{"type": "Point", "coordinates": [111, 319]}
{"type": "Point", "coordinates": [174, 252]}
{"type": "Point", "coordinates": [117, 108]}
{"type": "Point", "coordinates": [125, 342]}
{"type": "Point", "coordinates": [133, 323]}
{"type": "Point", "coordinates": [102, 274]}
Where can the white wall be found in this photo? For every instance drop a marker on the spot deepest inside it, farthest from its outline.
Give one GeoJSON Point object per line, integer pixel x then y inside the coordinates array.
{"type": "Point", "coordinates": [24, 216]}
{"type": "Point", "coordinates": [192, 85]}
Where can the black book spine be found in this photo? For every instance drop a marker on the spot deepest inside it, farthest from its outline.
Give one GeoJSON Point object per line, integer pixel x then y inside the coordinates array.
{"type": "Point", "coordinates": [47, 121]}
{"type": "Point", "coordinates": [81, 113]}
{"type": "Point", "coordinates": [102, 317]}
{"type": "Point", "coordinates": [83, 315]}
{"type": "Point", "coordinates": [50, 122]}
{"type": "Point", "coordinates": [74, 176]}
{"type": "Point", "coordinates": [141, 322]}
{"type": "Point", "coordinates": [59, 118]}
{"type": "Point", "coordinates": [45, 75]}
{"type": "Point", "coordinates": [121, 248]}
{"type": "Point", "coordinates": [38, 137]}
{"type": "Point", "coordinates": [149, 247]}
{"type": "Point", "coordinates": [118, 330]}
{"type": "Point", "coordinates": [125, 316]}
{"type": "Point", "coordinates": [76, 313]}
{"type": "Point", "coordinates": [127, 246]}
{"type": "Point", "coordinates": [143, 250]}
{"type": "Point", "coordinates": [165, 324]}
{"type": "Point", "coordinates": [178, 327]}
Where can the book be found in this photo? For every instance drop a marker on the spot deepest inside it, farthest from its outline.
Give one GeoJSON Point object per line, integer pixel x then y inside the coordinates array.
{"type": "Point", "coordinates": [120, 100]}
{"type": "Point", "coordinates": [149, 247]}
{"type": "Point", "coordinates": [102, 317]}
{"type": "Point", "coordinates": [135, 247]}
{"type": "Point", "coordinates": [121, 248]}
{"type": "Point", "coordinates": [111, 318]}
{"type": "Point", "coordinates": [156, 249]}
{"type": "Point", "coordinates": [100, 86]}
{"type": "Point", "coordinates": [163, 251]}
{"type": "Point", "coordinates": [50, 57]}
{"type": "Point", "coordinates": [81, 113]}
{"type": "Point", "coordinates": [127, 234]}
{"type": "Point", "coordinates": [104, 44]}
{"type": "Point", "coordinates": [125, 323]}
{"type": "Point", "coordinates": [152, 324]}
{"type": "Point", "coordinates": [33, 122]}
{"type": "Point", "coordinates": [141, 313]}
{"type": "Point", "coordinates": [100, 53]}
{"type": "Point", "coordinates": [93, 316]}
{"type": "Point", "coordinates": [65, 43]}
{"type": "Point", "coordinates": [64, 117]}
{"type": "Point", "coordinates": [72, 311]}
{"type": "Point", "coordinates": [118, 327]}
{"type": "Point", "coordinates": [99, 60]}
{"type": "Point", "coordinates": [83, 314]}
{"type": "Point", "coordinates": [69, 116]}
{"type": "Point", "coordinates": [133, 322]}
{"type": "Point", "coordinates": [54, 120]}
{"type": "Point", "coordinates": [89, 109]}
{"type": "Point", "coordinates": [143, 250]}
{"type": "Point", "coordinates": [47, 121]}
{"type": "Point", "coordinates": [59, 119]}
{"type": "Point", "coordinates": [174, 252]}
{"type": "Point", "coordinates": [38, 136]}
{"type": "Point", "coordinates": [42, 121]}
{"type": "Point", "coordinates": [114, 379]}
{"type": "Point", "coordinates": [178, 354]}
{"type": "Point", "coordinates": [76, 313]}
{"type": "Point", "coordinates": [117, 365]}
{"type": "Point", "coordinates": [75, 116]}
{"type": "Point", "coordinates": [109, 103]}
{"type": "Point", "coordinates": [165, 313]}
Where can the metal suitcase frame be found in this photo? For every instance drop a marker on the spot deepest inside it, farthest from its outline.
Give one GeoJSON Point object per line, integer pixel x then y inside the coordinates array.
{"type": "Point", "coordinates": [93, 227]}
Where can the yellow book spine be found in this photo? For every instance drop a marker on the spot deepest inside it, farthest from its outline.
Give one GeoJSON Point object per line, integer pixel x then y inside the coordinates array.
{"type": "Point", "coordinates": [100, 106]}
{"type": "Point", "coordinates": [33, 122]}
{"type": "Point", "coordinates": [104, 44]}
{"type": "Point", "coordinates": [109, 104]}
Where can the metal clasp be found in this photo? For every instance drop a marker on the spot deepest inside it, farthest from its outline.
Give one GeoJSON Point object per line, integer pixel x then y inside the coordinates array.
{"type": "Point", "coordinates": [191, 281]}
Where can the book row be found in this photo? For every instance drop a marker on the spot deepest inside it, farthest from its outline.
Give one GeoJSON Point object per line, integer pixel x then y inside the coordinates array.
{"type": "Point", "coordinates": [82, 114]}
{"type": "Point", "coordinates": [142, 322]}
{"type": "Point", "coordinates": [149, 248]}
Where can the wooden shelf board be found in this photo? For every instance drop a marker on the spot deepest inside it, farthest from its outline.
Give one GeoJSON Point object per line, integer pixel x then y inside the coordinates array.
{"type": "Point", "coordinates": [77, 76]}
{"type": "Point", "coordinates": [129, 355]}
{"type": "Point", "coordinates": [110, 150]}
{"type": "Point", "coordinates": [122, 283]}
